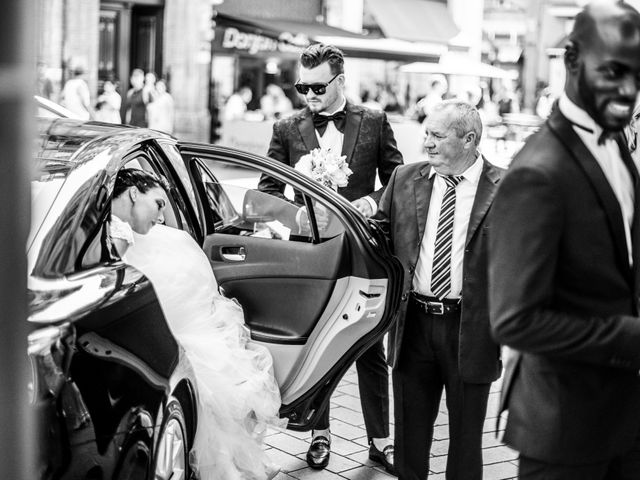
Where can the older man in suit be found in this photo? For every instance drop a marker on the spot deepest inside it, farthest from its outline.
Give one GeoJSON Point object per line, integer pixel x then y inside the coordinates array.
{"type": "Point", "coordinates": [565, 267]}
{"type": "Point", "coordinates": [366, 138]}
{"type": "Point", "coordinates": [437, 216]}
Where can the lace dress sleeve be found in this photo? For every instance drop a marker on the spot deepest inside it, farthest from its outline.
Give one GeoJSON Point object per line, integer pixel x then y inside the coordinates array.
{"type": "Point", "coordinates": [121, 230]}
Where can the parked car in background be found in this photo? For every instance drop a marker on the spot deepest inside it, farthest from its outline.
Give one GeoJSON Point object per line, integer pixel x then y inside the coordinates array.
{"type": "Point", "coordinates": [114, 395]}
{"type": "Point", "coordinates": [49, 109]}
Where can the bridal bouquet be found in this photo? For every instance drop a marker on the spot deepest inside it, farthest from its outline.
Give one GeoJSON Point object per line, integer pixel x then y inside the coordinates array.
{"type": "Point", "coordinates": [325, 167]}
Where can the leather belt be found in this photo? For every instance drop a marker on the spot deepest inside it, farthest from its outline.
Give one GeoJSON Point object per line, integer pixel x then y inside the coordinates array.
{"type": "Point", "coordinates": [434, 306]}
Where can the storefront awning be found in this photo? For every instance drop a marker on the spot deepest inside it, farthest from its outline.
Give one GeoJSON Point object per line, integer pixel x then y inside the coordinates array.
{"type": "Point", "coordinates": [242, 35]}
{"type": "Point", "coordinates": [311, 29]}
{"type": "Point", "coordinates": [389, 49]}
{"type": "Point", "coordinates": [286, 37]}
{"type": "Point", "coordinates": [414, 20]}
{"type": "Point", "coordinates": [467, 67]}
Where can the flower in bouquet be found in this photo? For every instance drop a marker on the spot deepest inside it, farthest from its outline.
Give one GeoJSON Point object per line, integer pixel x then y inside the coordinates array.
{"type": "Point", "coordinates": [326, 167]}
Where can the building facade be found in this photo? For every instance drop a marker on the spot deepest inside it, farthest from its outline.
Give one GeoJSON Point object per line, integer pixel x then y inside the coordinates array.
{"type": "Point", "coordinates": [205, 49]}
{"type": "Point", "coordinates": [108, 39]}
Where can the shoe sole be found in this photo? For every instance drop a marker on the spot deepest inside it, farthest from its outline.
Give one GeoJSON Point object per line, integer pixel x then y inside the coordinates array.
{"type": "Point", "coordinates": [315, 466]}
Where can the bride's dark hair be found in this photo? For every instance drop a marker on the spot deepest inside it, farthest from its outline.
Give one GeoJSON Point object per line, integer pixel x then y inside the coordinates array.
{"type": "Point", "coordinates": [134, 177]}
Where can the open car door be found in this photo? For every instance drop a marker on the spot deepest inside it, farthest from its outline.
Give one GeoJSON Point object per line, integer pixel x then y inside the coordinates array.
{"type": "Point", "coordinates": [318, 287]}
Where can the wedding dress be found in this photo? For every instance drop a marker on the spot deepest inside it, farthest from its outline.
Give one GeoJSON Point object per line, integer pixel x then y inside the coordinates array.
{"type": "Point", "coordinates": [238, 395]}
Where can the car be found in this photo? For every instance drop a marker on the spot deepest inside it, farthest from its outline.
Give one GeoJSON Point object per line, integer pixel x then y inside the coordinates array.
{"type": "Point", "coordinates": [112, 389]}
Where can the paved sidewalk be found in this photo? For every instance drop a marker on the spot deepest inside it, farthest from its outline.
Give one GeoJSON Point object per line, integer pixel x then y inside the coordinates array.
{"type": "Point", "coordinates": [349, 450]}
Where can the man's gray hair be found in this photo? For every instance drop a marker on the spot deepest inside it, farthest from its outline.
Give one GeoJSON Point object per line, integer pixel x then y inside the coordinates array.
{"type": "Point", "coordinates": [466, 118]}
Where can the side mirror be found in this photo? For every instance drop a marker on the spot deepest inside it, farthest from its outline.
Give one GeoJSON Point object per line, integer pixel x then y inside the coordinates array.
{"type": "Point", "coordinates": [255, 208]}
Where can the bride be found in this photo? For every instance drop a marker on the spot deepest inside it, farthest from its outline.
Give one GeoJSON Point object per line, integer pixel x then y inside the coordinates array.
{"type": "Point", "coordinates": [239, 396]}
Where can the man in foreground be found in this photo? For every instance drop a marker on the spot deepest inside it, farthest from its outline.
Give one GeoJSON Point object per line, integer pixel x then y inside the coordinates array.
{"type": "Point", "coordinates": [565, 267]}
{"type": "Point", "coordinates": [437, 215]}
{"type": "Point", "coordinates": [366, 138]}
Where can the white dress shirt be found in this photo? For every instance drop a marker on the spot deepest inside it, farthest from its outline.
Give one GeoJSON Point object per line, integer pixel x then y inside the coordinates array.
{"type": "Point", "coordinates": [465, 195]}
{"type": "Point", "coordinates": [333, 140]}
{"type": "Point", "coordinates": [608, 157]}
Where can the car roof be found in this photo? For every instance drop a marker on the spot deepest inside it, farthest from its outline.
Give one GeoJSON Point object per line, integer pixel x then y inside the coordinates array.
{"type": "Point", "coordinates": [59, 141]}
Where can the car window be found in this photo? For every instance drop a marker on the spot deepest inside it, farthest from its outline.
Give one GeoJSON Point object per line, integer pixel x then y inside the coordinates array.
{"type": "Point", "coordinates": [239, 208]}
{"type": "Point", "coordinates": [175, 158]}
{"type": "Point", "coordinates": [185, 208]}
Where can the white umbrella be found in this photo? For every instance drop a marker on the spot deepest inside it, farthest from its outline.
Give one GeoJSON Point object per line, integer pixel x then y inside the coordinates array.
{"type": "Point", "coordinates": [461, 67]}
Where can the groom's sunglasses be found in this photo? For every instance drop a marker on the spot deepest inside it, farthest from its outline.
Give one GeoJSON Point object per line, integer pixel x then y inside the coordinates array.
{"type": "Point", "coordinates": [317, 88]}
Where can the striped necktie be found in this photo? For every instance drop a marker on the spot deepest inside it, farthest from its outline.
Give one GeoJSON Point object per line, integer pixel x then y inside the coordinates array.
{"type": "Point", "coordinates": [441, 271]}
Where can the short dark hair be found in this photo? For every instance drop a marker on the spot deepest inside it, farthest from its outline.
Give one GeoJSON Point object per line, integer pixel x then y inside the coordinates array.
{"type": "Point", "coordinates": [134, 177]}
{"type": "Point", "coordinates": [318, 53]}
{"type": "Point", "coordinates": [598, 13]}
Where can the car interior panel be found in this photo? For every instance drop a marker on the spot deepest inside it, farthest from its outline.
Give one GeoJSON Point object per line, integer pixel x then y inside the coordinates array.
{"type": "Point", "coordinates": [143, 319]}
{"type": "Point", "coordinates": [272, 274]}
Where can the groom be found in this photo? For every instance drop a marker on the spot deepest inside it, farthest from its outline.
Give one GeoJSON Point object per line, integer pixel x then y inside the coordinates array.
{"type": "Point", "coordinates": [366, 138]}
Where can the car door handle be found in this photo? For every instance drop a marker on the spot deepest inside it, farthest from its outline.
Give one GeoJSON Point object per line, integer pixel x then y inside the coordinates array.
{"type": "Point", "coordinates": [233, 254]}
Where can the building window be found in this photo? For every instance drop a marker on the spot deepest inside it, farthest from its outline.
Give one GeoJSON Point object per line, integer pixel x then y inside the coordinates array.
{"type": "Point", "coordinates": [108, 45]}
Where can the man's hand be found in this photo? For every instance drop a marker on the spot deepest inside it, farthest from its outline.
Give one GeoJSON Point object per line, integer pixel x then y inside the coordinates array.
{"type": "Point", "coordinates": [322, 218]}
{"type": "Point", "coordinates": [363, 207]}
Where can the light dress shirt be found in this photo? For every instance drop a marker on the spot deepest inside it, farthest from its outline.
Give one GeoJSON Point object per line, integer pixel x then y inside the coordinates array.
{"type": "Point", "coordinates": [608, 157]}
{"type": "Point", "coordinates": [465, 195]}
{"type": "Point", "coordinates": [333, 140]}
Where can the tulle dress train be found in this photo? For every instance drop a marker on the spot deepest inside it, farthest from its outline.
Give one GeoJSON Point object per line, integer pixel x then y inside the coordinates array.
{"type": "Point", "coordinates": [238, 395]}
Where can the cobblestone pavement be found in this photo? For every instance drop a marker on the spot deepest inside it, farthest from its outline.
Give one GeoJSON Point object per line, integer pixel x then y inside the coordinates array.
{"type": "Point", "coordinates": [349, 450]}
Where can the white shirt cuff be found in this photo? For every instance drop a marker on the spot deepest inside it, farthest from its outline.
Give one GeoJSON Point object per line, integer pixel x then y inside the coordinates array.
{"type": "Point", "coordinates": [372, 202]}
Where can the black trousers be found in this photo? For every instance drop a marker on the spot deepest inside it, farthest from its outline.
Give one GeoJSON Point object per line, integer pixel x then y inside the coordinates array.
{"type": "Point", "coordinates": [428, 363]}
{"type": "Point", "coordinates": [373, 383]}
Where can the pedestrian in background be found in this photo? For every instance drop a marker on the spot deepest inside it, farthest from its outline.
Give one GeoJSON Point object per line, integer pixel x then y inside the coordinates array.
{"type": "Point", "coordinates": [109, 103]}
{"type": "Point", "coordinates": [136, 100]}
{"type": "Point", "coordinates": [44, 85]}
{"type": "Point", "coordinates": [149, 89]}
{"type": "Point", "coordinates": [437, 214]}
{"type": "Point", "coordinates": [366, 139]}
{"type": "Point", "coordinates": [565, 267]}
{"type": "Point", "coordinates": [236, 105]}
{"type": "Point", "coordinates": [160, 112]}
{"type": "Point", "coordinates": [76, 95]}
{"type": "Point", "coordinates": [274, 103]}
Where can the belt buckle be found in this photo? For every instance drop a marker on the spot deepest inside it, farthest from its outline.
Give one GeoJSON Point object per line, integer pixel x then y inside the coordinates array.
{"type": "Point", "coordinates": [435, 308]}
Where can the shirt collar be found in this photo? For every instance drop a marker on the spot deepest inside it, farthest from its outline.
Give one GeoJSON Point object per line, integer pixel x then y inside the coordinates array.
{"type": "Point", "coordinates": [472, 173]}
{"type": "Point", "coordinates": [341, 107]}
{"type": "Point", "coordinates": [578, 116]}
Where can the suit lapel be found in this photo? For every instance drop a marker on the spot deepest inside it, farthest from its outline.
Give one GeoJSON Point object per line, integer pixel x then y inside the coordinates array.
{"type": "Point", "coordinates": [423, 186]}
{"type": "Point", "coordinates": [307, 130]}
{"type": "Point", "coordinates": [562, 128]}
{"type": "Point", "coordinates": [487, 185]}
{"type": "Point", "coordinates": [351, 131]}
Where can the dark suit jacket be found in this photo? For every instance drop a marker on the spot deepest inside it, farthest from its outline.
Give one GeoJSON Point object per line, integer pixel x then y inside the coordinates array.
{"type": "Point", "coordinates": [403, 213]}
{"type": "Point", "coordinates": [369, 145]}
{"type": "Point", "coordinates": [562, 292]}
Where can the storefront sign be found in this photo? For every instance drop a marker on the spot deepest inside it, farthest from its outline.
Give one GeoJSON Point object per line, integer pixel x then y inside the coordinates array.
{"type": "Point", "coordinates": [233, 39]}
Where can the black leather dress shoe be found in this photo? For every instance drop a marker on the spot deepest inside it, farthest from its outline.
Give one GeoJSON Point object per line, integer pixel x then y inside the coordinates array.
{"type": "Point", "coordinates": [318, 453]}
{"type": "Point", "coordinates": [384, 457]}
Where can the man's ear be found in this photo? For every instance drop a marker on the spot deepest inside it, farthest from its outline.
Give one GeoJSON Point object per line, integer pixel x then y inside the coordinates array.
{"type": "Point", "coordinates": [571, 57]}
{"type": "Point", "coordinates": [470, 140]}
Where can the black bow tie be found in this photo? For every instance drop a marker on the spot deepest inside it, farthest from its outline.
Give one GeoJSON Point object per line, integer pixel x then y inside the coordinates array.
{"type": "Point", "coordinates": [608, 135]}
{"type": "Point", "coordinates": [320, 121]}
